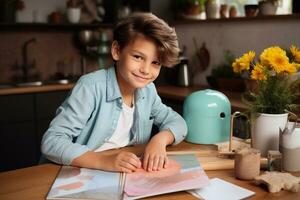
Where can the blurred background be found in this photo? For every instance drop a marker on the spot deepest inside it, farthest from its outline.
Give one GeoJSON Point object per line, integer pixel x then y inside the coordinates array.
{"type": "Point", "coordinates": [45, 46]}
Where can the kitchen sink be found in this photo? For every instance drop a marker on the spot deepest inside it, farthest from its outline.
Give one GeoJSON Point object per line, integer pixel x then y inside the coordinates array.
{"type": "Point", "coordinates": [29, 84]}
{"type": "Point", "coordinates": [5, 85]}
{"type": "Point", "coordinates": [34, 83]}
{"type": "Point", "coordinates": [60, 81]}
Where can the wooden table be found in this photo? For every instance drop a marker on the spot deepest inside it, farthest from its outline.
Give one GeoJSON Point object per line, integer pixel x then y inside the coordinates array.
{"type": "Point", "coordinates": [33, 183]}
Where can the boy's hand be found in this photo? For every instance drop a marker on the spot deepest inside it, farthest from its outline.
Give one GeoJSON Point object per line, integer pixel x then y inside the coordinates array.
{"type": "Point", "coordinates": [118, 161]}
{"type": "Point", "coordinates": [155, 154]}
{"type": "Point", "coordinates": [122, 162]}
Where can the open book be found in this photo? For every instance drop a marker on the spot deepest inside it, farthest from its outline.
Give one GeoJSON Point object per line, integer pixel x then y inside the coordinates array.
{"type": "Point", "coordinates": [183, 173]}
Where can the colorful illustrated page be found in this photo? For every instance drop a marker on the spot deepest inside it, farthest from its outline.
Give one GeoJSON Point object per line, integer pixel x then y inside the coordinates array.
{"type": "Point", "coordinates": [82, 183]}
{"type": "Point", "coordinates": [183, 173]}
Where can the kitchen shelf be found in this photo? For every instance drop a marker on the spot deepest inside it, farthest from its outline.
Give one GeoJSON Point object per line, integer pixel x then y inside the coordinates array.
{"type": "Point", "coordinates": [80, 26]}
{"type": "Point", "coordinates": [51, 27]}
{"type": "Point", "coordinates": [237, 19]}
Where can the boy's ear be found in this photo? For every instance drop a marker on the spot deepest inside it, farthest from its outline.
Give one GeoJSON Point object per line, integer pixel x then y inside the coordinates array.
{"type": "Point", "coordinates": [115, 50]}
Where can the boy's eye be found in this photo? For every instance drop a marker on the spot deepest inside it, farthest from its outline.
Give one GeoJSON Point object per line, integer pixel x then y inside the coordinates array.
{"type": "Point", "coordinates": [138, 57]}
{"type": "Point", "coordinates": [156, 63]}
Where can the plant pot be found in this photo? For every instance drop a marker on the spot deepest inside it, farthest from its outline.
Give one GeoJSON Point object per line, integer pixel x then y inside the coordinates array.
{"type": "Point", "coordinates": [192, 9]}
{"type": "Point", "coordinates": [265, 131]}
{"type": "Point", "coordinates": [267, 8]}
{"type": "Point", "coordinates": [251, 10]}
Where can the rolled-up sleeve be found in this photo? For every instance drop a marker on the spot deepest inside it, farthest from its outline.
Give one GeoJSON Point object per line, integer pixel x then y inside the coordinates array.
{"type": "Point", "coordinates": [167, 119]}
{"type": "Point", "coordinates": [57, 143]}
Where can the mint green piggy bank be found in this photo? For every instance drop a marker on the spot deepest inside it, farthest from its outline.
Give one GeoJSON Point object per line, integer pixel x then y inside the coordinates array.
{"type": "Point", "coordinates": [207, 114]}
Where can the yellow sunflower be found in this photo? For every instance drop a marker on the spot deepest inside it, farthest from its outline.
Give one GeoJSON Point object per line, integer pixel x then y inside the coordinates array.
{"type": "Point", "coordinates": [275, 58]}
{"type": "Point", "coordinates": [258, 73]}
{"type": "Point", "coordinates": [291, 68]}
{"type": "Point", "coordinates": [243, 63]}
{"type": "Point", "coordinates": [269, 53]}
{"type": "Point", "coordinates": [296, 53]}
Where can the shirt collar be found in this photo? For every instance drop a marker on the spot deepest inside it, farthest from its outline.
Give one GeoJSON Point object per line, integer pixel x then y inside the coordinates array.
{"type": "Point", "coordinates": [112, 87]}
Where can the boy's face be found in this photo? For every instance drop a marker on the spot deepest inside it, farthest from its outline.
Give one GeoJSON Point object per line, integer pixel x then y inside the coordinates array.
{"type": "Point", "coordinates": [137, 63]}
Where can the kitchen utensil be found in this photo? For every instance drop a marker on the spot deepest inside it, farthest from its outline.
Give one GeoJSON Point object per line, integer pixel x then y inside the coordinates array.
{"type": "Point", "coordinates": [247, 164]}
{"type": "Point", "coordinates": [178, 75]}
{"type": "Point", "coordinates": [86, 37]}
{"type": "Point", "coordinates": [203, 56]}
{"type": "Point", "coordinates": [183, 77]}
{"type": "Point", "coordinates": [289, 146]}
{"type": "Point", "coordinates": [207, 114]}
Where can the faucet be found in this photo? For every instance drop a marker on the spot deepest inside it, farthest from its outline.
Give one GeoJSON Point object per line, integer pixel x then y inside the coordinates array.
{"type": "Point", "coordinates": [25, 65]}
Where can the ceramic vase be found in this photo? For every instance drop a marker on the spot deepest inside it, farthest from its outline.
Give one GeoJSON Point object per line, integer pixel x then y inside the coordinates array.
{"type": "Point", "coordinates": [289, 146]}
{"type": "Point", "coordinates": [212, 9]}
{"type": "Point", "coordinates": [73, 15]}
{"type": "Point", "coordinates": [265, 129]}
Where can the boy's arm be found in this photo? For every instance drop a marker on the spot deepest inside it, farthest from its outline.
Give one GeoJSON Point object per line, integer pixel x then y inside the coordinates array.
{"type": "Point", "coordinates": [172, 128]}
{"type": "Point", "coordinates": [120, 161]}
{"type": "Point", "coordinates": [155, 155]}
{"type": "Point", "coordinates": [71, 117]}
{"type": "Point", "coordinates": [167, 119]}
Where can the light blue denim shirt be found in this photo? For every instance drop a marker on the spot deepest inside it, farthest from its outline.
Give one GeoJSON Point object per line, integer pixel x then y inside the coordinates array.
{"type": "Point", "coordinates": [89, 117]}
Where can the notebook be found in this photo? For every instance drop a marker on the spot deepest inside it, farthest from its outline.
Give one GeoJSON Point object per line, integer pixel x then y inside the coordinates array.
{"type": "Point", "coordinates": [220, 189]}
{"type": "Point", "coordinates": [183, 173]}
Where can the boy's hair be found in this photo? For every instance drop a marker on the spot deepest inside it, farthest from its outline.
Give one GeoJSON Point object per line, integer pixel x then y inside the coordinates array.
{"type": "Point", "coordinates": [152, 27]}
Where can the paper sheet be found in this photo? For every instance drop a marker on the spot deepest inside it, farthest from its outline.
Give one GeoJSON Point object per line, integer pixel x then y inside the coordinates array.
{"type": "Point", "coordinates": [220, 189]}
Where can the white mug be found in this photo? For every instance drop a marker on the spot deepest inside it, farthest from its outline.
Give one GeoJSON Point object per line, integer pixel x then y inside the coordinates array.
{"type": "Point", "coordinates": [73, 15]}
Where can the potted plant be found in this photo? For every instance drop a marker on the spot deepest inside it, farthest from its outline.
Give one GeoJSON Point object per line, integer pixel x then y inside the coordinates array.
{"type": "Point", "coordinates": [20, 11]}
{"type": "Point", "coordinates": [268, 7]}
{"type": "Point", "coordinates": [223, 77]}
{"type": "Point", "coordinates": [275, 96]}
{"type": "Point", "coordinates": [190, 8]}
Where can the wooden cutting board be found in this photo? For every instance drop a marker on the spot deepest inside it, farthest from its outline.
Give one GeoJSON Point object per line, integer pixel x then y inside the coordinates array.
{"type": "Point", "coordinates": [206, 154]}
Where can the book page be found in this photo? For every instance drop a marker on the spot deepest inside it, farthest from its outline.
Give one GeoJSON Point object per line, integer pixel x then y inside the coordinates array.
{"type": "Point", "coordinates": [183, 173]}
{"type": "Point", "coordinates": [82, 183]}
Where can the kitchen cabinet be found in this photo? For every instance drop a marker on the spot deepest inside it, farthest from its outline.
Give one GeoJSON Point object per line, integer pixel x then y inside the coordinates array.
{"type": "Point", "coordinates": [17, 145]}
{"type": "Point", "coordinates": [16, 108]}
{"type": "Point", "coordinates": [23, 120]}
{"type": "Point", "coordinates": [46, 105]}
{"type": "Point", "coordinates": [17, 131]}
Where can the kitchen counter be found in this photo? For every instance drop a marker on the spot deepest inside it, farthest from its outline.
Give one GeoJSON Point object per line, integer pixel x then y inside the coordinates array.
{"type": "Point", "coordinates": [165, 91]}
{"type": "Point", "coordinates": [36, 89]}
{"type": "Point", "coordinates": [180, 93]}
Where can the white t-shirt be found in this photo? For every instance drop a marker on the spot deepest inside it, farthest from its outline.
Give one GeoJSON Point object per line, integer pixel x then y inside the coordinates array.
{"type": "Point", "coordinates": [120, 138]}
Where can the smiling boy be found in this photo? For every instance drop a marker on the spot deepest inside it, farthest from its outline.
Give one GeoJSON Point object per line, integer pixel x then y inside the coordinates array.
{"type": "Point", "coordinates": [116, 107]}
